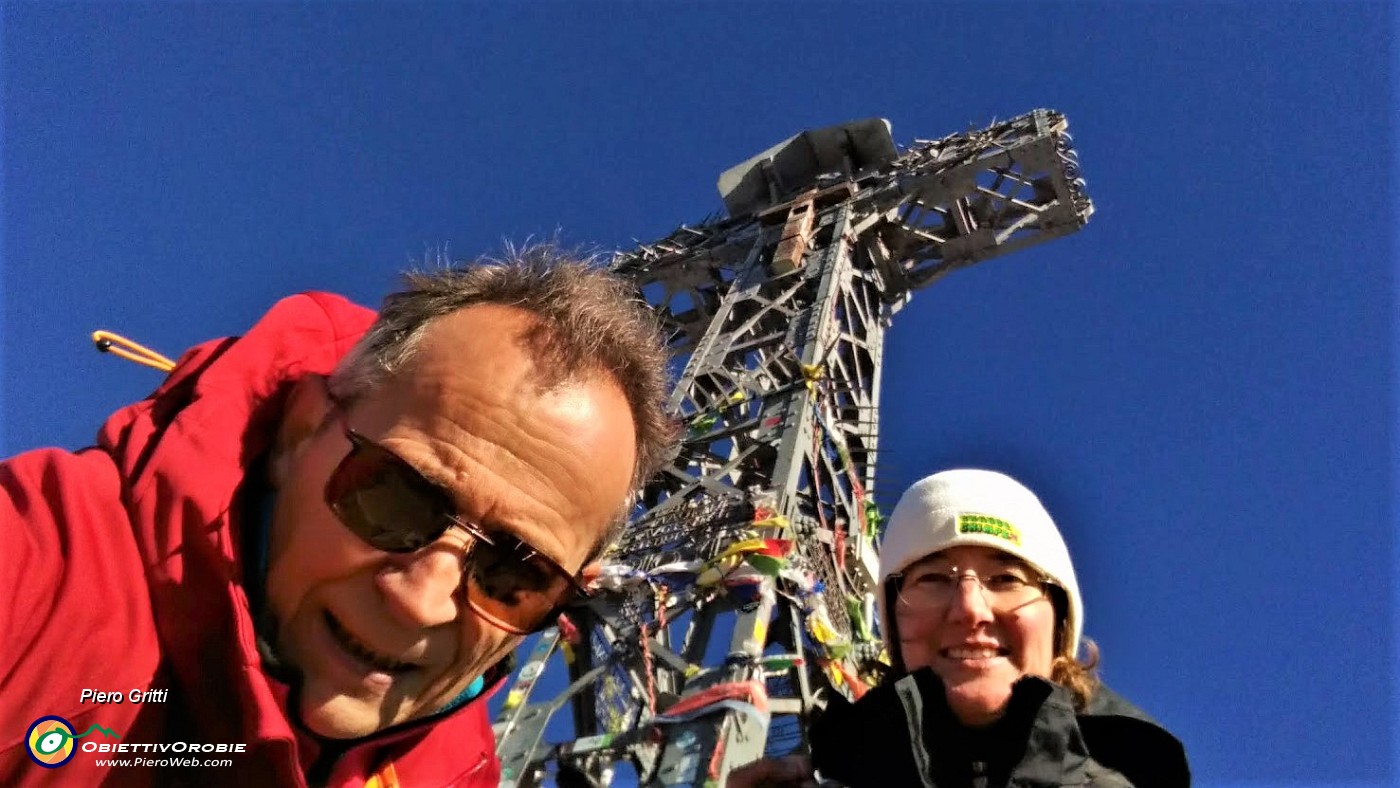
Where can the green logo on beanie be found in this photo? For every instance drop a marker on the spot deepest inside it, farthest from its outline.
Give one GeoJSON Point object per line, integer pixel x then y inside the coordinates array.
{"type": "Point", "coordinates": [987, 524]}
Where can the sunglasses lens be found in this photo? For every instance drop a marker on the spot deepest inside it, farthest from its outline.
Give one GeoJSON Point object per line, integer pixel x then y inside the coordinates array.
{"type": "Point", "coordinates": [385, 502]}
{"type": "Point", "coordinates": [508, 582]}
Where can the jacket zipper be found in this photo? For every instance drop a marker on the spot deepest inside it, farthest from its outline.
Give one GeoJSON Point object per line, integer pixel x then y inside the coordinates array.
{"type": "Point", "coordinates": [979, 774]}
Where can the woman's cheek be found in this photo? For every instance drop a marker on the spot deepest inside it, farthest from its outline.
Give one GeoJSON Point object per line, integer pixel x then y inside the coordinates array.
{"type": "Point", "coordinates": [917, 640]}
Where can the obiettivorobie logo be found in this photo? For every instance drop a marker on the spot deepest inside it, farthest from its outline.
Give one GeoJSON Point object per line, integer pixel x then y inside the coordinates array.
{"type": "Point", "coordinates": [51, 743]}
{"type": "Point", "coordinates": [50, 740]}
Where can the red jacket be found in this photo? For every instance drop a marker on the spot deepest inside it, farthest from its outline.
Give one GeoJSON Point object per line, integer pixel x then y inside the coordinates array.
{"type": "Point", "coordinates": [120, 570]}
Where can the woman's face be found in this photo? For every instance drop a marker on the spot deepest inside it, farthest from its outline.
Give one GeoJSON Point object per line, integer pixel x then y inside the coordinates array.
{"type": "Point", "coordinates": [978, 640]}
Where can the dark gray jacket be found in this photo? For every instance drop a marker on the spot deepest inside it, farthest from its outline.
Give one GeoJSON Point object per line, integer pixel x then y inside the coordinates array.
{"type": "Point", "coordinates": [904, 734]}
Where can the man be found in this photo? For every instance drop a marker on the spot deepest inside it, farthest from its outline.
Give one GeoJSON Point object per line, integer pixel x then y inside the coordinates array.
{"type": "Point", "coordinates": [316, 545]}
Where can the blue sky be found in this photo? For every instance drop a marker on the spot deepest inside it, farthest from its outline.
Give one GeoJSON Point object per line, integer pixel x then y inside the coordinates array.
{"type": "Point", "coordinates": [1200, 384]}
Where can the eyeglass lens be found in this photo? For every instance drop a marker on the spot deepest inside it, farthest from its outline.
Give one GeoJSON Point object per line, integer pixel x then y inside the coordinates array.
{"type": "Point", "coordinates": [1003, 588]}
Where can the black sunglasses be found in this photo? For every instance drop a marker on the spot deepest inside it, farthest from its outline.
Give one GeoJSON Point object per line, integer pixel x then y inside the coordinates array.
{"type": "Point", "coordinates": [386, 502]}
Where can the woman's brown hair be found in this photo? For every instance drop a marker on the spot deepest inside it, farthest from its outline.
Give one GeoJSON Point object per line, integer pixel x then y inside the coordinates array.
{"type": "Point", "coordinates": [1079, 675]}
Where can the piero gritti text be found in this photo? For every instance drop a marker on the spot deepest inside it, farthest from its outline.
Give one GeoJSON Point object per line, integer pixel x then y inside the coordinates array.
{"type": "Point", "coordinates": [117, 696]}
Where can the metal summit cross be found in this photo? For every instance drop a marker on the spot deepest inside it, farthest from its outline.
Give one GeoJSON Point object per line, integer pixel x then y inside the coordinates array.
{"type": "Point", "coordinates": [745, 586]}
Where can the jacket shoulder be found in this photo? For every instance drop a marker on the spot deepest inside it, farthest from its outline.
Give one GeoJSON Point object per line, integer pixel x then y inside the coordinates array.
{"type": "Point", "coordinates": [866, 743]}
{"type": "Point", "coordinates": [1124, 738]}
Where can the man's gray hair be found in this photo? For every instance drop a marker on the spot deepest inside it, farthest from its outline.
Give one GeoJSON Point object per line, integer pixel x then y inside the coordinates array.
{"type": "Point", "coordinates": [589, 321]}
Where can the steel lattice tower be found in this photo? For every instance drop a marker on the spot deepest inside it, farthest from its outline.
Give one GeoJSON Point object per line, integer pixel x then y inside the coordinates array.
{"type": "Point", "coordinates": [745, 584]}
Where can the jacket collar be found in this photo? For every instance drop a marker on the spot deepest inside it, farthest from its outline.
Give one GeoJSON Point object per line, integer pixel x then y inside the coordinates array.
{"type": "Point", "coordinates": [1036, 742]}
{"type": "Point", "coordinates": [1061, 744]}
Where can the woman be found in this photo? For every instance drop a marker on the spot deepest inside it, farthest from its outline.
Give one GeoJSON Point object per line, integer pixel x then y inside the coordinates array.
{"type": "Point", "coordinates": [982, 617]}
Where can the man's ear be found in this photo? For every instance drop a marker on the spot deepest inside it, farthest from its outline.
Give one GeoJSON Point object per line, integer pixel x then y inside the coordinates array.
{"type": "Point", "coordinates": [308, 406]}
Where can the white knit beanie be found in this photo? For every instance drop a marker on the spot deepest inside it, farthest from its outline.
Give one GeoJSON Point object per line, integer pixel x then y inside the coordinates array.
{"type": "Point", "coordinates": [982, 508]}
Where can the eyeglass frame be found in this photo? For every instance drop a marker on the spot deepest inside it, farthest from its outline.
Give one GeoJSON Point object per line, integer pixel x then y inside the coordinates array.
{"type": "Point", "coordinates": [1043, 582]}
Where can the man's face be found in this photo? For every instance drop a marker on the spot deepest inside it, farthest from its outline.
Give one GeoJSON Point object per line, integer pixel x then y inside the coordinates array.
{"type": "Point", "coordinates": [382, 638]}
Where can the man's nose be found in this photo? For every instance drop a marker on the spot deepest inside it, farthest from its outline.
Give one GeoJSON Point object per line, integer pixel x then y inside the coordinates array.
{"type": "Point", "coordinates": [421, 588]}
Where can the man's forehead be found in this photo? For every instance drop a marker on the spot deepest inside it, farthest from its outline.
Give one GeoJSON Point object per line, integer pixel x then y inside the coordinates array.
{"type": "Point", "coordinates": [491, 334]}
{"type": "Point", "coordinates": [476, 345]}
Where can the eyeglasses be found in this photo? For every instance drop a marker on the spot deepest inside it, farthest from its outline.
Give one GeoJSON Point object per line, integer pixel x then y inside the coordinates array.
{"type": "Point", "coordinates": [392, 507]}
{"type": "Point", "coordinates": [1005, 589]}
